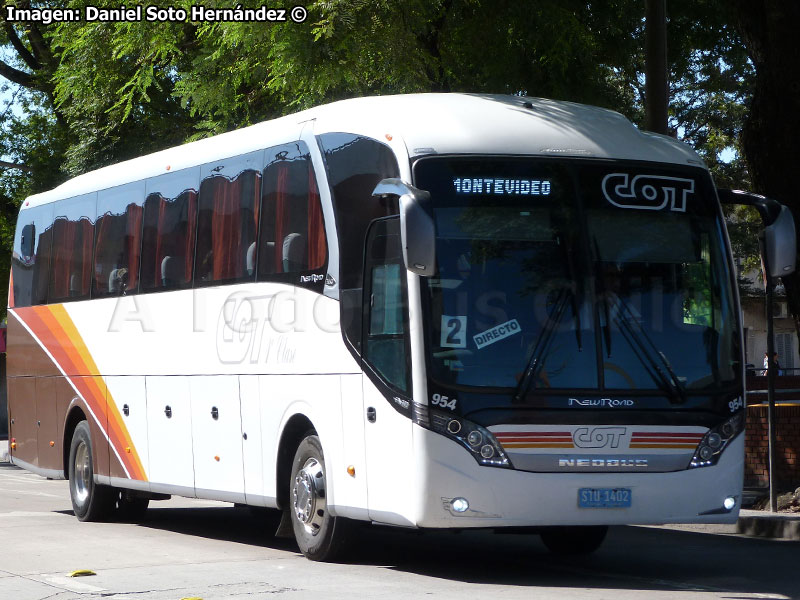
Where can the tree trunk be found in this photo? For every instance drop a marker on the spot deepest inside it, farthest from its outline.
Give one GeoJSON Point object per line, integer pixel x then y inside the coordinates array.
{"type": "Point", "coordinates": [771, 133]}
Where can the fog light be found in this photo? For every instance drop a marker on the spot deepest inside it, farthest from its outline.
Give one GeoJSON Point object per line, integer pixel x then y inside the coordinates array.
{"type": "Point", "coordinates": [729, 502]}
{"type": "Point", "coordinates": [454, 426]}
{"type": "Point", "coordinates": [459, 504]}
{"type": "Point", "coordinates": [475, 438]}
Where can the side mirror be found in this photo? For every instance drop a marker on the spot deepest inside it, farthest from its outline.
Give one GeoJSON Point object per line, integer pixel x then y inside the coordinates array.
{"type": "Point", "coordinates": [780, 237]}
{"type": "Point", "coordinates": [780, 244]}
{"type": "Point", "coordinates": [417, 226]}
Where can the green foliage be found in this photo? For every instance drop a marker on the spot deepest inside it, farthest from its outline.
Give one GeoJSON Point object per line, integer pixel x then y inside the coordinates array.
{"type": "Point", "coordinates": [98, 93]}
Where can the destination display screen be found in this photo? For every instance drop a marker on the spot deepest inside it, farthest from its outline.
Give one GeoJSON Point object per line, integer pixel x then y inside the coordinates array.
{"type": "Point", "coordinates": [500, 186]}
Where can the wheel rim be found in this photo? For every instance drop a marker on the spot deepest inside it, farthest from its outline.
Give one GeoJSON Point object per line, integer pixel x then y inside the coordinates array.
{"type": "Point", "coordinates": [83, 472]}
{"type": "Point", "coordinates": [308, 496]}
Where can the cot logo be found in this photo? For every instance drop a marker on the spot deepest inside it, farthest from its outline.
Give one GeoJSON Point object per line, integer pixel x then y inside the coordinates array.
{"type": "Point", "coordinates": [598, 437]}
{"type": "Point", "coordinates": [647, 192]}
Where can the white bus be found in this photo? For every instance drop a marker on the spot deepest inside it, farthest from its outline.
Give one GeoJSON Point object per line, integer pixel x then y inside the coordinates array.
{"type": "Point", "coordinates": [427, 311]}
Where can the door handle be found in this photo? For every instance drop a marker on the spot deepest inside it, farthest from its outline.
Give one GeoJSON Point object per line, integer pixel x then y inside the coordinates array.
{"type": "Point", "coordinates": [214, 413]}
{"type": "Point", "coordinates": [168, 411]}
{"type": "Point", "coordinates": [371, 414]}
{"type": "Point", "coordinates": [126, 410]}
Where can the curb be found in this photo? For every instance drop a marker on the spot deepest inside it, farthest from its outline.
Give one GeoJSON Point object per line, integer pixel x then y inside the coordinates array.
{"type": "Point", "coordinates": [785, 526]}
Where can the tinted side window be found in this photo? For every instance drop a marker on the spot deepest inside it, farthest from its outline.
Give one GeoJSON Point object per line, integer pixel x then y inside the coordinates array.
{"type": "Point", "coordinates": [227, 218]}
{"type": "Point", "coordinates": [355, 166]}
{"type": "Point", "coordinates": [71, 260]}
{"type": "Point", "coordinates": [118, 240]}
{"type": "Point", "coordinates": [30, 260]}
{"type": "Point", "coordinates": [292, 233]}
{"type": "Point", "coordinates": [170, 224]}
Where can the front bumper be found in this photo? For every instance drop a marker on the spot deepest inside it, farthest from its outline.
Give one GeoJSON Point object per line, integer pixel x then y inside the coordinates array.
{"type": "Point", "coordinates": [509, 498]}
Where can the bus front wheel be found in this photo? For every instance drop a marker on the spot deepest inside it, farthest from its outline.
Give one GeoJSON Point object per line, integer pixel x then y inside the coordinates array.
{"type": "Point", "coordinates": [90, 501]}
{"type": "Point", "coordinates": [574, 540]}
{"type": "Point", "coordinates": [320, 535]}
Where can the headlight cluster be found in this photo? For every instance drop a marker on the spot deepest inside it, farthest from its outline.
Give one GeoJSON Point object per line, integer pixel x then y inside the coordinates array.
{"type": "Point", "coordinates": [713, 443]}
{"type": "Point", "coordinates": [478, 440]}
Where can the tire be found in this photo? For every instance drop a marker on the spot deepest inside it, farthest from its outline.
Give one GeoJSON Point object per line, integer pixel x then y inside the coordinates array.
{"type": "Point", "coordinates": [320, 535]}
{"type": "Point", "coordinates": [90, 501]}
{"type": "Point", "coordinates": [574, 540]}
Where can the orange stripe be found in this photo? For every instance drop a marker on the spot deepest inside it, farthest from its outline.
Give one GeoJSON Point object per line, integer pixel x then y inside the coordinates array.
{"type": "Point", "coordinates": [537, 445]}
{"type": "Point", "coordinates": [56, 330]}
{"type": "Point", "coordinates": [536, 439]}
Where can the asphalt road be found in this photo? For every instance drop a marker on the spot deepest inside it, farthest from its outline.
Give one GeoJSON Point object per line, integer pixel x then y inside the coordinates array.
{"type": "Point", "coordinates": [198, 549]}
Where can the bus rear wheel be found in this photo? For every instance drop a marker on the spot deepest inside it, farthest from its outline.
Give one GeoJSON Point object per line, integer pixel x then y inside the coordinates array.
{"type": "Point", "coordinates": [320, 535]}
{"type": "Point", "coordinates": [90, 501]}
{"type": "Point", "coordinates": [574, 540]}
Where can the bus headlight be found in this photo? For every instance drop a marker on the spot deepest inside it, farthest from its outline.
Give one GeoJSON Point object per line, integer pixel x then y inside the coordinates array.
{"type": "Point", "coordinates": [480, 442]}
{"type": "Point", "coordinates": [714, 441]}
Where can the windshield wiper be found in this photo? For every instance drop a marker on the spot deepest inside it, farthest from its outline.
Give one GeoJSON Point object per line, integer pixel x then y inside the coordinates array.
{"type": "Point", "coordinates": [543, 341]}
{"type": "Point", "coordinates": [638, 338]}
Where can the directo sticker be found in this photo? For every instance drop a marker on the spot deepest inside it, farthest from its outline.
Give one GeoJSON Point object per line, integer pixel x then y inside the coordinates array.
{"type": "Point", "coordinates": [497, 333]}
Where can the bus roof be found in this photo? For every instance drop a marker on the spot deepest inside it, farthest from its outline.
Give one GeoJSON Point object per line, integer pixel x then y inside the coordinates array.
{"type": "Point", "coordinates": [427, 124]}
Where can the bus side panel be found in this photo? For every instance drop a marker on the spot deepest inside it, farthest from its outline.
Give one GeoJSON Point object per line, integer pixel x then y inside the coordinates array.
{"type": "Point", "coordinates": [22, 419]}
{"type": "Point", "coordinates": [49, 450]}
{"type": "Point", "coordinates": [252, 452]}
{"type": "Point", "coordinates": [217, 437]}
{"type": "Point", "coordinates": [351, 491]}
{"type": "Point", "coordinates": [169, 431]}
{"type": "Point", "coordinates": [390, 464]}
{"type": "Point", "coordinates": [25, 356]}
{"type": "Point", "coordinates": [128, 398]}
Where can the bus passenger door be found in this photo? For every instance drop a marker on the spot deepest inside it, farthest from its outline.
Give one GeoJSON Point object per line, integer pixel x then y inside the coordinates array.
{"type": "Point", "coordinates": [169, 435]}
{"type": "Point", "coordinates": [217, 437]}
{"type": "Point", "coordinates": [386, 380]}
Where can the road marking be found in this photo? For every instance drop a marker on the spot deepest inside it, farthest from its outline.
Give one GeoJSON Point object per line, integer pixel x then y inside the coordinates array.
{"type": "Point", "coordinates": [70, 584]}
{"type": "Point", "coordinates": [28, 514]}
{"type": "Point", "coordinates": [27, 493]}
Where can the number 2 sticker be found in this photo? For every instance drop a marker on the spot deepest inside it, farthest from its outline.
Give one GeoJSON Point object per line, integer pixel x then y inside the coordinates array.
{"type": "Point", "coordinates": [454, 332]}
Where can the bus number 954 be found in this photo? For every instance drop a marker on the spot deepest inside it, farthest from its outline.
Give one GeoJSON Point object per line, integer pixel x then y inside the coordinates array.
{"type": "Point", "coordinates": [443, 401]}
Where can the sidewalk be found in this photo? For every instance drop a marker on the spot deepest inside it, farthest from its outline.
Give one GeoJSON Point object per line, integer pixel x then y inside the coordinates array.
{"type": "Point", "coordinates": [760, 523]}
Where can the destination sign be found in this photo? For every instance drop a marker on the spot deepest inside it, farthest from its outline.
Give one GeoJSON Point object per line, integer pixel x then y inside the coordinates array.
{"type": "Point", "coordinates": [501, 187]}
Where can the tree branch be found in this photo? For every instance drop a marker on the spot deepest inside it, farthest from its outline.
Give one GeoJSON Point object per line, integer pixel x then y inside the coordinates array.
{"type": "Point", "coordinates": [16, 76]}
{"type": "Point", "coordinates": [41, 49]}
{"type": "Point", "coordinates": [9, 165]}
{"type": "Point", "coordinates": [23, 52]}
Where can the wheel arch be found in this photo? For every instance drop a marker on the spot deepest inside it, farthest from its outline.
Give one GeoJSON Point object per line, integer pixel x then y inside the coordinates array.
{"type": "Point", "coordinates": [74, 416]}
{"type": "Point", "coordinates": [297, 427]}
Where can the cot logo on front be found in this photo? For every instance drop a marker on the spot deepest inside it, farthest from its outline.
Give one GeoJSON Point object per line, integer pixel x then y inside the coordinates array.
{"type": "Point", "coordinates": [647, 192]}
{"type": "Point", "coordinates": [598, 437]}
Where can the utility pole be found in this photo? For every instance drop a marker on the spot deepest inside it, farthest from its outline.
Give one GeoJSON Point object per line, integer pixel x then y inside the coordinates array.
{"type": "Point", "coordinates": [656, 90]}
{"type": "Point", "coordinates": [771, 373]}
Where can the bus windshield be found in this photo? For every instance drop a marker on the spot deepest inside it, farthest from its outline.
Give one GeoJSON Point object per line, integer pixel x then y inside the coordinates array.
{"type": "Point", "coordinates": [577, 275]}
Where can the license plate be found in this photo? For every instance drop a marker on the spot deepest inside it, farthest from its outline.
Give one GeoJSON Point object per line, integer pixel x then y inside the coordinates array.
{"type": "Point", "coordinates": [604, 498]}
